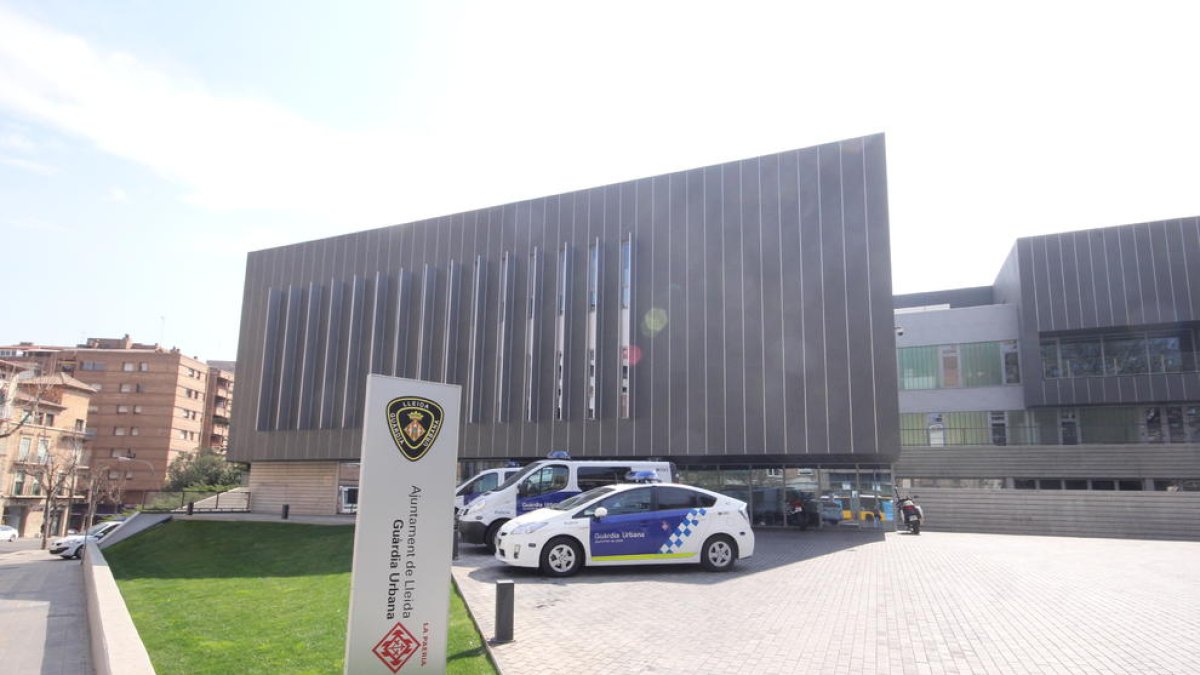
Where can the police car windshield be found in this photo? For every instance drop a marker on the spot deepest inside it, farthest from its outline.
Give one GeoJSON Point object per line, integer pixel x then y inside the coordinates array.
{"type": "Point", "coordinates": [516, 477]}
{"type": "Point", "coordinates": [581, 498]}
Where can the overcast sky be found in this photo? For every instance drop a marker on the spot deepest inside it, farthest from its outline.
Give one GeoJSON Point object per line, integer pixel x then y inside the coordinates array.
{"type": "Point", "coordinates": [146, 146]}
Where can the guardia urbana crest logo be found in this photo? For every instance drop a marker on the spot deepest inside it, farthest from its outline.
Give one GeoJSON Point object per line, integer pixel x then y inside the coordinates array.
{"type": "Point", "coordinates": [415, 423]}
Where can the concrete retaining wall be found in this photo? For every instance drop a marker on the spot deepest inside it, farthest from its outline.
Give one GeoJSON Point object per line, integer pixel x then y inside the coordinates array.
{"type": "Point", "coordinates": [1133, 515]}
{"type": "Point", "coordinates": [136, 524]}
{"type": "Point", "coordinates": [116, 646]}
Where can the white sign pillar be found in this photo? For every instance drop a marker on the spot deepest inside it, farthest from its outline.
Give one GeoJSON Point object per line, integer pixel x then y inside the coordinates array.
{"type": "Point", "coordinates": [400, 583]}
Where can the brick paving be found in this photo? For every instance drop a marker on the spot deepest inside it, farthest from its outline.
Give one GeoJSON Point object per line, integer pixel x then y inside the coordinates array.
{"type": "Point", "coordinates": [848, 602]}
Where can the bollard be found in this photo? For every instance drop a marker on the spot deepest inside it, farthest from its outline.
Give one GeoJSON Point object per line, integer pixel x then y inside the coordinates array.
{"type": "Point", "coordinates": [191, 507]}
{"type": "Point", "coordinates": [286, 508]}
{"type": "Point", "coordinates": [457, 538]}
{"type": "Point", "coordinates": [505, 601]}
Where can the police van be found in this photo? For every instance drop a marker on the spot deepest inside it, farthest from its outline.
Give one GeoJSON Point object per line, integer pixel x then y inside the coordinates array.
{"type": "Point", "coordinates": [544, 483]}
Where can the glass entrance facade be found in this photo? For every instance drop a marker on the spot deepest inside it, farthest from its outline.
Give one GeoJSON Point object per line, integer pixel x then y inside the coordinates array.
{"type": "Point", "coordinates": [803, 497]}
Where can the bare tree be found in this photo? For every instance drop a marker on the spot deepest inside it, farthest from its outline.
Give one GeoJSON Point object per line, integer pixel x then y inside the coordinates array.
{"type": "Point", "coordinates": [102, 489]}
{"type": "Point", "coordinates": [55, 471]}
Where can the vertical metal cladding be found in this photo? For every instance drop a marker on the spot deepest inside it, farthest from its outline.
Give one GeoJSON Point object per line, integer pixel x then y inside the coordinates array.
{"type": "Point", "coordinates": [1142, 275]}
{"type": "Point", "coordinates": [734, 311]}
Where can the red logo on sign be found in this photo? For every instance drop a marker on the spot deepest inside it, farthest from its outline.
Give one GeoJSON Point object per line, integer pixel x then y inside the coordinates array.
{"type": "Point", "coordinates": [396, 647]}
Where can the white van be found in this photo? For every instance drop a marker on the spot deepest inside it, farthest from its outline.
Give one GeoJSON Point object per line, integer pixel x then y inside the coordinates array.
{"type": "Point", "coordinates": [481, 483]}
{"type": "Point", "coordinates": [544, 483]}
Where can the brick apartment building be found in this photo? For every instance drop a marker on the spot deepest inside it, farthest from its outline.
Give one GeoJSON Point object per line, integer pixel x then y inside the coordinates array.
{"type": "Point", "coordinates": [218, 405]}
{"type": "Point", "coordinates": [150, 405]}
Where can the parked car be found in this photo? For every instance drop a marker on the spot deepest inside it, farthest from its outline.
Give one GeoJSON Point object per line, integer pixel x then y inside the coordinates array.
{"type": "Point", "coordinates": [72, 546]}
{"type": "Point", "coordinates": [630, 524]}
{"type": "Point", "coordinates": [8, 533]}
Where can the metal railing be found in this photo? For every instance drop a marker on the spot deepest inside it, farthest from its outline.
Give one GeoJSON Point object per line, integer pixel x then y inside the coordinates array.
{"type": "Point", "coordinates": [1069, 433]}
{"type": "Point", "coordinates": [196, 501]}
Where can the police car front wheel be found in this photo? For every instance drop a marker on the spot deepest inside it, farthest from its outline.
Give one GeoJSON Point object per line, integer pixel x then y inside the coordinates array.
{"type": "Point", "coordinates": [561, 557]}
{"type": "Point", "coordinates": [718, 554]}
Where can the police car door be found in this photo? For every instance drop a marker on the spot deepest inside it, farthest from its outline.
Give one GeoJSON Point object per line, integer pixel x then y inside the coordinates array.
{"type": "Point", "coordinates": [546, 486]}
{"type": "Point", "coordinates": [624, 533]}
{"type": "Point", "coordinates": [683, 522]}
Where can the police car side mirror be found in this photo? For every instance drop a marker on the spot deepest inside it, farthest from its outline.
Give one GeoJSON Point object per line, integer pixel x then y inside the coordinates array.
{"type": "Point", "coordinates": [600, 513]}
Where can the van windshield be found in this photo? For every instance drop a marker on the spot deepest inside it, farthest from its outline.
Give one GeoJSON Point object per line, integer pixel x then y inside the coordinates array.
{"type": "Point", "coordinates": [516, 477]}
{"type": "Point", "coordinates": [581, 498]}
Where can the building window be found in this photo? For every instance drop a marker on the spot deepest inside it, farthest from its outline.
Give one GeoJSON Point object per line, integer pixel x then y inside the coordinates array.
{"type": "Point", "coordinates": [91, 365]}
{"type": "Point", "coordinates": [120, 431]}
{"type": "Point", "coordinates": [503, 335]}
{"type": "Point", "coordinates": [562, 288]}
{"type": "Point", "coordinates": [129, 366]}
{"type": "Point", "coordinates": [137, 410]}
{"type": "Point", "coordinates": [593, 331]}
{"type": "Point", "coordinates": [122, 409]}
{"type": "Point", "coordinates": [624, 328]}
{"type": "Point", "coordinates": [134, 431]}
{"type": "Point", "coordinates": [450, 334]}
{"type": "Point", "coordinates": [23, 453]}
{"type": "Point", "coordinates": [1012, 362]}
{"type": "Point", "coordinates": [144, 367]}
{"type": "Point", "coordinates": [18, 483]}
{"type": "Point", "coordinates": [950, 366]}
{"type": "Point", "coordinates": [126, 388]}
{"type": "Point", "coordinates": [478, 304]}
{"type": "Point", "coordinates": [1123, 354]}
{"type": "Point", "coordinates": [533, 299]}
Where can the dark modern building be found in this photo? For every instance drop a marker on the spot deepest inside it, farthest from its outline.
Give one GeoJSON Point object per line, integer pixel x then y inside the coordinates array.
{"type": "Point", "coordinates": [735, 319]}
{"type": "Point", "coordinates": [1065, 398]}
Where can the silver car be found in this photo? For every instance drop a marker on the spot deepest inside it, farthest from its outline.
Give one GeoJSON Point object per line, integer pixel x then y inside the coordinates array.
{"type": "Point", "coordinates": [8, 533]}
{"type": "Point", "coordinates": [72, 546]}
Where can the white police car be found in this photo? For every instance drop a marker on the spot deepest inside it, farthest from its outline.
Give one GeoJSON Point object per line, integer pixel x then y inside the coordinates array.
{"type": "Point", "coordinates": [630, 524]}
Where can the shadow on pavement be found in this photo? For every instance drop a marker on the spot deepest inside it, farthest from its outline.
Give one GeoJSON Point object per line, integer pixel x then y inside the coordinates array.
{"type": "Point", "coordinates": [773, 549]}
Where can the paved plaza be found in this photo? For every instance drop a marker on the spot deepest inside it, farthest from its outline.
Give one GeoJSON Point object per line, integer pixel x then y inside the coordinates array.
{"type": "Point", "coordinates": [848, 602]}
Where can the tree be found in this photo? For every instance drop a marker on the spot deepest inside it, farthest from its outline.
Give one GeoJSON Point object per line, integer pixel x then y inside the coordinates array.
{"type": "Point", "coordinates": [204, 467]}
{"type": "Point", "coordinates": [103, 488]}
{"type": "Point", "coordinates": [55, 473]}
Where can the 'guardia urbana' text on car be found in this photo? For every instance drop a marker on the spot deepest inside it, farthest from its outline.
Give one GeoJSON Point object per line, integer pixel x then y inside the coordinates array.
{"type": "Point", "coordinates": [630, 524]}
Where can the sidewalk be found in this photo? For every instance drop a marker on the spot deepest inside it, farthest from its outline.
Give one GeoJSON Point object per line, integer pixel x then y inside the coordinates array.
{"type": "Point", "coordinates": [43, 618]}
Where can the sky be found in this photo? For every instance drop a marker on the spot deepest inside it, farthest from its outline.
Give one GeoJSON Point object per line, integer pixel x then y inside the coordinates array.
{"type": "Point", "coordinates": [146, 147]}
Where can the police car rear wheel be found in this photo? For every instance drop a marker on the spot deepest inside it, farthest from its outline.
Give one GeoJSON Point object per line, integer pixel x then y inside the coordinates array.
{"type": "Point", "coordinates": [561, 557]}
{"type": "Point", "coordinates": [718, 554]}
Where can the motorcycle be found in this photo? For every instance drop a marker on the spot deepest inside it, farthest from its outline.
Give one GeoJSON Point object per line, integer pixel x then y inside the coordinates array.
{"type": "Point", "coordinates": [912, 514]}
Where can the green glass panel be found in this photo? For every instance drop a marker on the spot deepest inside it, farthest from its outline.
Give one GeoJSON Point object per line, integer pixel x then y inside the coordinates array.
{"type": "Point", "coordinates": [912, 429]}
{"type": "Point", "coordinates": [918, 367]}
{"type": "Point", "coordinates": [967, 428]}
{"type": "Point", "coordinates": [981, 364]}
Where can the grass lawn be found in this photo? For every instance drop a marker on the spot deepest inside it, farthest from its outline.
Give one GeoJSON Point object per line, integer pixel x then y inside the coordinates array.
{"type": "Point", "coordinates": [248, 597]}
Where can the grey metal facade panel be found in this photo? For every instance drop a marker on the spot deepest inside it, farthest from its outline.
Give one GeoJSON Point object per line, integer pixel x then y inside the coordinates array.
{"type": "Point", "coordinates": [761, 319]}
{"type": "Point", "coordinates": [1126, 277]}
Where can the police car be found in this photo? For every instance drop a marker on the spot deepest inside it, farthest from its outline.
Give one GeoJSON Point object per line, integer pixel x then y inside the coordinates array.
{"type": "Point", "coordinates": [630, 524]}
